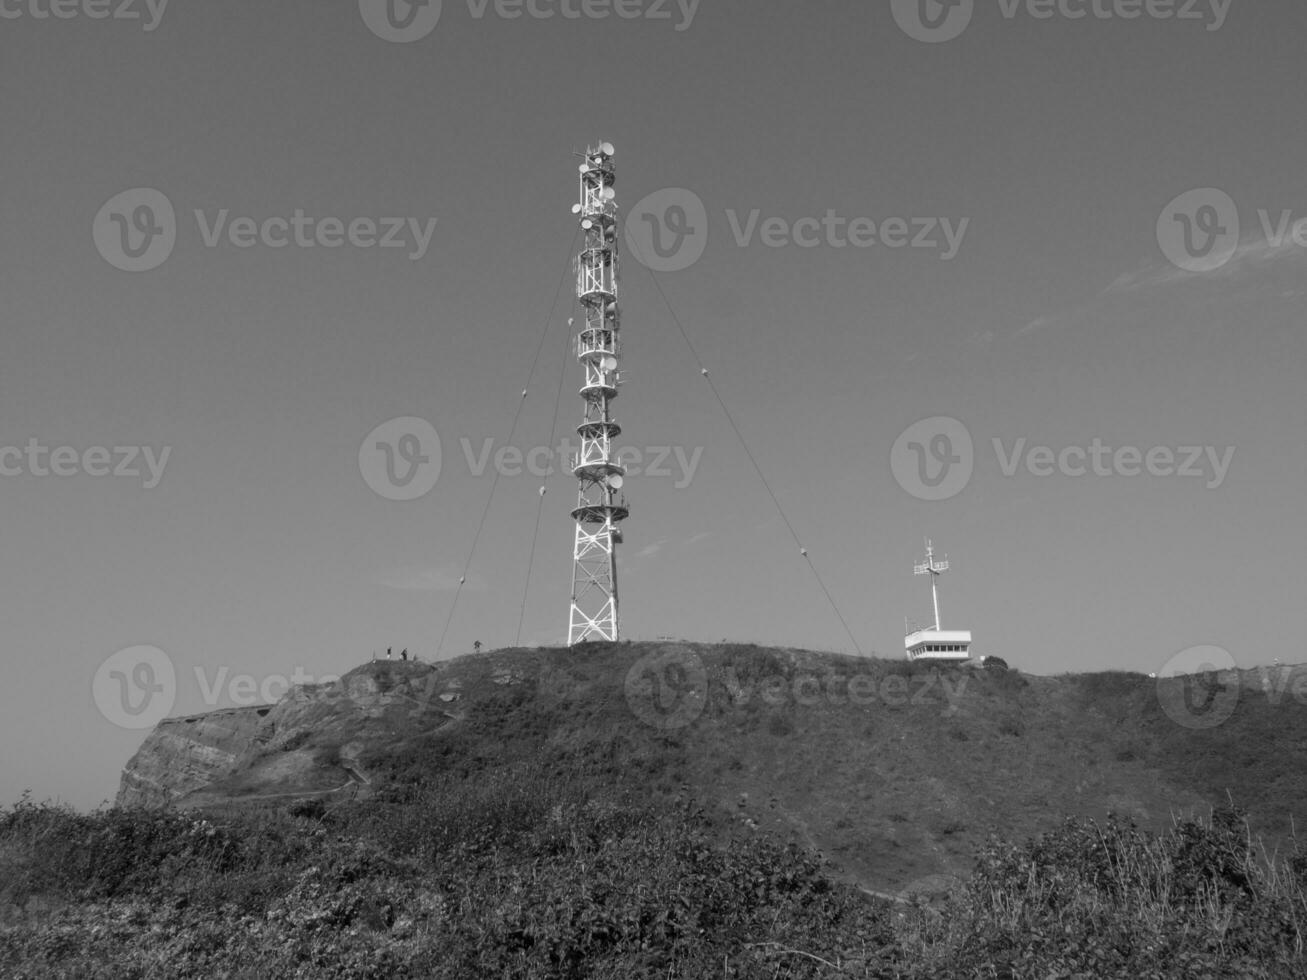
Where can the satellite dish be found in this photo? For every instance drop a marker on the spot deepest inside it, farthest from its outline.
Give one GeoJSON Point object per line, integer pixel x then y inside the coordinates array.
{"type": "Point", "coordinates": [587, 224]}
{"type": "Point", "coordinates": [609, 364]}
{"type": "Point", "coordinates": [606, 149]}
{"type": "Point", "coordinates": [609, 193]}
{"type": "Point", "coordinates": [576, 209]}
{"type": "Point", "coordinates": [584, 167]}
{"type": "Point", "coordinates": [616, 481]}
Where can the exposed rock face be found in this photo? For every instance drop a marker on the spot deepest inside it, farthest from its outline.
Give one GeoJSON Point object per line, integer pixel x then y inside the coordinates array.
{"type": "Point", "coordinates": [185, 754]}
{"type": "Point", "coordinates": [306, 744]}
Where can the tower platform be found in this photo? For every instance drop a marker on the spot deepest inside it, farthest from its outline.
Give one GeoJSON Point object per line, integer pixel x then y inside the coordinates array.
{"type": "Point", "coordinates": [933, 644]}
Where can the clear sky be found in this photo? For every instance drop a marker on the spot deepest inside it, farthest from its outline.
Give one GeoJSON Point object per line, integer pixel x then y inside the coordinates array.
{"type": "Point", "coordinates": [1056, 149]}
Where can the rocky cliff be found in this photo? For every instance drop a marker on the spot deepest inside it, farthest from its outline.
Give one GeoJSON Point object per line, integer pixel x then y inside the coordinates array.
{"type": "Point", "coordinates": [306, 744]}
{"type": "Point", "coordinates": [184, 754]}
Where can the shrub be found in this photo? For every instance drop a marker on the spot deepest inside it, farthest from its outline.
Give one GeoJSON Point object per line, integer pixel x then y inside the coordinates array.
{"type": "Point", "coordinates": [511, 872]}
{"type": "Point", "coordinates": [1110, 900]}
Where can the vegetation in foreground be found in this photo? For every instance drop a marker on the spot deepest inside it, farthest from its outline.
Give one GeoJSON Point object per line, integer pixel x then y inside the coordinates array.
{"type": "Point", "coordinates": [508, 874]}
{"type": "Point", "coordinates": [510, 846]}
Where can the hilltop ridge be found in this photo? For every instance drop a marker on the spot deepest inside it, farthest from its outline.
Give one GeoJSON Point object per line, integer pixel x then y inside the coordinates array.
{"type": "Point", "coordinates": [895, 772]}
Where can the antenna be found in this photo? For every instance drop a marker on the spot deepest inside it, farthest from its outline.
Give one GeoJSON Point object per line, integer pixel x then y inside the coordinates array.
{"type": "Point", "coordinates": [932, 568]}
{"type": "Point", "coordinates": [599, 510]}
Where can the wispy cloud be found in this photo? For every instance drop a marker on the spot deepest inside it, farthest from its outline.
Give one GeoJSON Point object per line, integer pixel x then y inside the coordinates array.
{"type": "Point", "coordinates": [649, 550]}
{"type": "Point", "coordinates": [419, 578]}
{"type": "Point", "coordinates": [1038, 323]}
{"type": "Point", "coordinates": [1252, 257]}
{"type": "Point", "coordinates": [1258, 261]}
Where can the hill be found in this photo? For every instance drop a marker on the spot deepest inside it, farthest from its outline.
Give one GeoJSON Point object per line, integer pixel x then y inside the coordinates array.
{"type": "Point", "coordinates": [895, 772]}
{"type": "Point", "coordinates": [642, 811]}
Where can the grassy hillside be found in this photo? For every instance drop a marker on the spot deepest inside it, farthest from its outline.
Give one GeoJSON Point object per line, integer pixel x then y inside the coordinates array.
{"type": "Point", "coordinates": [893, 771]}
{"type": "Point", "coordinates": [666, 810]}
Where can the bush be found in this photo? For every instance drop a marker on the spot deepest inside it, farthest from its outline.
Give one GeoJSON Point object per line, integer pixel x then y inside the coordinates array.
{"type": "Point", "coordinates": [511, 873]}
{"type": "Point", "coordinates": [1110, 900]}
{"type": "Point", "coordinates": [108, 852]}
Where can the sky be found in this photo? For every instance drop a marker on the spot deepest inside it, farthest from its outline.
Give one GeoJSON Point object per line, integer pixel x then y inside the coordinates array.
{"type": "Point", "coordinates": [1027, 283]}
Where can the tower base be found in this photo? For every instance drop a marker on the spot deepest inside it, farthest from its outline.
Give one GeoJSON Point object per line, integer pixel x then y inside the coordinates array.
{"type": "Point", "coordinates": [601, 626]}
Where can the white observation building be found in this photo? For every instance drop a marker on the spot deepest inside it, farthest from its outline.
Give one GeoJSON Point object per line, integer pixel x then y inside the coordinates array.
{"type": "Point", "coordinates": [936, 643]}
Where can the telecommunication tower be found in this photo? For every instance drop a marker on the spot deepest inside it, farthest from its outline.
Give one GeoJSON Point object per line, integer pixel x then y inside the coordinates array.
{"type": "Point", "coordinates": [600, 508]}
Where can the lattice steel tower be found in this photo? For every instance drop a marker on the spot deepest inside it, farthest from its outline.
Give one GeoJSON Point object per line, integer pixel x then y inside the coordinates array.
{"type": "Point", "coordinates": [600, 509]}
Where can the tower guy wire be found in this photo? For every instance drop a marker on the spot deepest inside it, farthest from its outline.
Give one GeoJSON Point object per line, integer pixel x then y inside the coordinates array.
{"type": "Point", "coordinates": [540, 504]}
{"type": "Point", "coordinates": [512, 431]}
{"type": "Point", "coordinates": [703, 371]}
